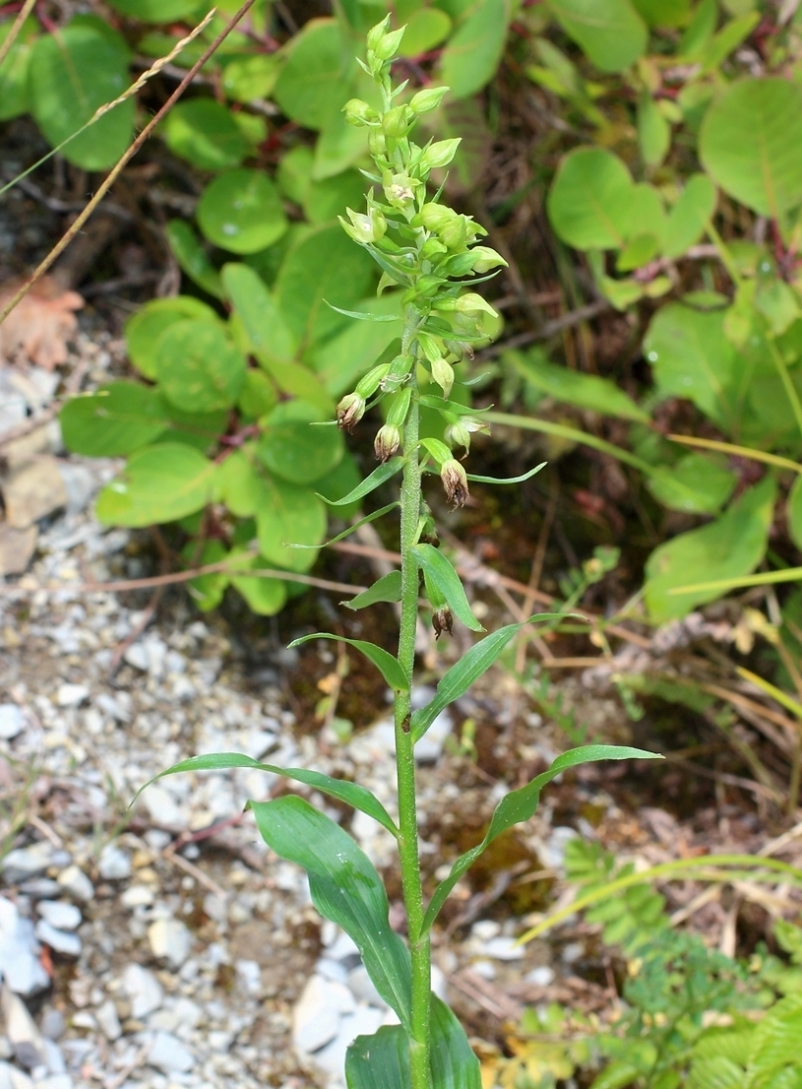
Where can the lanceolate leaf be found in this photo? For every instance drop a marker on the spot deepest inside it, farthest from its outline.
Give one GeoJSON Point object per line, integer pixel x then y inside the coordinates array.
{"type": "Point", "coordinates": [387, 588]}
{"type": "Point", "coordinates": [509, 479]}
{"type": "Point", "coordinates": [438, 568]}
{"type": "Point", "coordinates": [520, 805]}
{"type": "Point", "coordinates": [350, 793]}
{"type": "Point", "coordinates": [386, 664]}
{"type": "Point", "coordinates": [379, 475]}
{"type": "Point", "coordinates": [362, 315]}
{"type": "Point", "coordinates": [469, 669]}
{"type": "Point", "coordinates": [345, 888]}
{"type": "Point", "coordinates": [380, 1061]}
{"type": "Point", "coordinates": [453, 1063]}
{"type": "Point", "coordinates": [352, 529]}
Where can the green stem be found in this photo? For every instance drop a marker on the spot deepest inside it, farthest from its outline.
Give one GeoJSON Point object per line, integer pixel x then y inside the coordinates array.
{"type": "Point", "coordinates": [420, 947]}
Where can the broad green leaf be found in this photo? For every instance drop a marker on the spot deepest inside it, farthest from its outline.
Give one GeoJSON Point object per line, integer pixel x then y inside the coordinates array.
{"type": "Point", "coordinates": [590, 201]}
{"type": "Point", "coordinates": [324, 264]}
{"type": "Point", "coordinates": [728, 548]}
{"type": "Point", "coordinates": [314, 82]}
{"type": "Point", "coordinates": [351, 793]}
{"type": "Point", "coordinates": [341, 480]}
{"type": "Point", "coordinates": [345, 888]}
{"type": "Point", "coordinates": [647, 214]}
{"type": "Point", "coordinates": [610, 32]}
{"type": "Point", "coordinates": [453, 1063]}
{"type": "Point", "coordinates": [474, 50]}
{"type": "Point", "coordinates": [188, 251]}
{"type": "Point", "coordinates": [294, 174]}
{"type": "Point", "coordinates": [340, 145]}
{"type": "Point", "coordinates": [663, 12]}
{"type": "Point", "coordinates": [203, 132]}
{"type": "Point", "coordinates": [386, 664]}
{"type": "Point", "coordinates": [241, 211]}
{"type": "Point", "coordinates": [15, 95]}
{"type": "Point", "coordinates": [794, 512]}
{"type": "Point", "coordinates": [160, 11]}
{"type": "Point", "coordinates": [687, 221]}
{"type": "Point", "coordinates": [115, 420]}
{"type": "Point", "coordinates": [325, 200]}
{"type": "Point", "coordinates": [73, 72]}
{"type": "Point", "coordinates": [380, 1061]}
{"type": "Point", "coordinates": [387, 588]}
{"type": "Point", "coordinates": [437, 568]}
{"type": "Point", "coordinates": [249, 78]}
{"type": "Point", "coordinates": [294, 445]}
{"type": "Point", "coordinates": [583, 390]}
{"type": "Point", "coordinates": [287, 515]}
{"type": "Point", "coordinates": [198, 367]}
{"type": "Point", "coordinates": [143, 330]}
{"type": "Point", "coordinates": [265, 596]}
{"type": "Point", "coordinates": [692, 358]}
{"type": "Point", "coordinates": [654, 132]}
{"type": "Point", "coordinates": [198, 429]}
{"type": "Point", "coordinates": [425, 29]}
{"type": "Point", "coordinates": [762, 171]}
{"type": "Point", "coordinates": [159, 484]}
{"type": "Point", "coordinates": [778, 303]}
{"type": "Point", "coordinates": [618, 1075]}
{"type": "Point", "coordinates": [520, 805]}
{"type": "Point", "coordinates": [258, 395]}
{"type": "Point", "coordinates": [380, 475]}
{"type": "Point", "coordinates": [341, 361]}
{"type": "Point", "coordinates": [459, 678]}
{"type": "Point", "coordinates": [206, 590]}
{"type": "Point", "coordinates": [697, 484]}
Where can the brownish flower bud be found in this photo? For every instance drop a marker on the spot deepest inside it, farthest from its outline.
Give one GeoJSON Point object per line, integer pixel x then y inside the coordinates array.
{"type": "Point", "coordinates": [442, 621]}
{"type": "Point", "coordinates": [455, 482]}
{"type": "Point", "coordinates": [350, 411]}
{"type": "Point", "coordinates": [387, 442]}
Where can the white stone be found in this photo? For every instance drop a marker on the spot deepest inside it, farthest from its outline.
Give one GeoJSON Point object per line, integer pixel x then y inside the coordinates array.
{"type": "Point", "coordinates": [27, 1041]}
{"type": "Point", "coordinates": [343, 946]}
{"type": "Point", "coordinates": [137, 896]}
{"type": "Point", "coordinates": [58, 914]}
{"type": "Point", "coordinates": [13, 1078]}
{"type": "Point", "coordinates": [75, 882]}
{"type": "Point", "coordinates": [364, 1021]}
{"type": "Point", "coordinates": [12, 721]}
{"type": "Point", "coordinates": [143, 989]}
{"type": "Point", "coordinates": [169, 938]}
{"type": "Point", "coordinates": [162, 806]}
{"type": "Point", "coordinates": [362, 988]}
{"type": "Point", "coordinates": [55, 1081]}
{"type": "Point", "coordinates": [543, 976]}
{"type": "Point", "coordinates": [430, 747]}
{"type": "Point", "coordinates": [315, 1019]}
{"type": "Point", "coordinates": [108, 1019]}
{"type": "Point", "coordinates": [552, 852]}
{"type": "Point", "coordinates": [250, 976]}
{"type": "Point", "coordinates": [71, 695]}
{"type": "Point", "coordinates": [485, 929]}
{"type": "Point", "coordinates": [19, 963]}
{"type": "Point", "coordinates": [27, 861]}
{"type": "Point", "coordinates": [484, 968]}
{"type": "Point", "coordinates": [61, 940]}
{"type": "Point", "coordinates": [169, 1055]}
{"type": "Point", "coordinates": [114, 863]}
{"type": "Point", "coordinates": [187, 1013]}
{"type": "Point", "coordinates": [503, 948]}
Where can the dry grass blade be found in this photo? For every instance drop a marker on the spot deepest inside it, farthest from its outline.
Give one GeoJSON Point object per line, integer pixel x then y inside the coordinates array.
{"type": "Point", "coordinates": [16, 27]}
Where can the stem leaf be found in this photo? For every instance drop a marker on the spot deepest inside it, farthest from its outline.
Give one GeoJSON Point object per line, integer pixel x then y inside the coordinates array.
{"type": "Point", "coordinates": [509, 479]}
{"type": "Point", "coordinates": [379, 475]}
{"type": "Point", "coordinates": [438, 568]}
{"type": "Point", "coordinates": [469, 668]}
{"type": "Point", "coordinates": [353, 528]}
{"type": "Point", "coordinates": [350, 793]}
{"type": "Point", "coordinates": [345, 888]}
{"type": "Point", "coordinates": [361, 315]}
{"type": "Point", "coordinates": [387, 588]}
{"type": "Point", "coordinates": [386, 664]}
{"type": "Point", "coordinates": [520, 805]}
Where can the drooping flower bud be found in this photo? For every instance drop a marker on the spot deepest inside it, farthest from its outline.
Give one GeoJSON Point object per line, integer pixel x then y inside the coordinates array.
{"type": "Point", "coordinates": [377, 144]}
{"type": "Point", "coordinates": [455, 482]}
{"type": "Point", "coordinates": [350, 411]}
{"type": "Point", "coordinates": [458, 432]}
{"type": "Point", "coordinates": [359, 113]}
{"type": "Point", "coordinates": [443, 374]}
{"type": "Point", "coordinates": [387, 442]}
{"type": "Point", "coordinates": [428, 99]}
{"type": "Point", "coordinates": [442, 621]}
{"type": "Point", "coordinates": [434, 217]}
{"type": "Point", "coordinates": [370, 382]}
{"type": "Point", "coordinates": [485, 259]}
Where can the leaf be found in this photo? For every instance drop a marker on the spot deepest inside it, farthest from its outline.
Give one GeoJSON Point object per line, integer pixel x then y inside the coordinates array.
{"type": "Point", "coordinates": [688, 219]}
{"type": "Point", "coordinates": [437, 568]}
{"type": "Point", "coordinates": [15, 96]}
{"type": "Point", "coordinates": [339, 362]}
{"type": "Point", "coordinates": [731, 546]}
{"type": "Point", "coordinates": [507, 480]}
{"type": "Point", "coordinates": [143, 330]}
{"type": "Point", "coordinates": [323, 264]}
{"type": "Point", "coordinates": [40, 324]}
{"type": "Point", "coordinates": [188, 251]}
{"type": "Point", "coordinates": [473, 52]}
{"type": "Point", "coordinates": [251, 77]}
{"type": "Point", "coordinates": [337, 483]}
{"type": "Point", "coordinates": [325, 200]}
{"type": "Point", "coordinates": [663, 12]}
{"type": "Point", "coordinates": [265, 596]}
{"type": "Point", "coordinates": [794, 512]}
{"type": "Point", "coordinates": [763, 171]}
{"type": "Point", "coordinates": [198, 367]}
{"type": "Point", "coordinates": [387, 588]}
{"type": "Point", "coordinates": [206, 590]}
{"type": "Point", "coordinates": [380, 1061]}
{"type": "Point", "coordinates": [584, 390]}
{"type": "Point", "coordinates": [159, 484]}
{"type": "Point", "coordinates": [286, 516]}
{"type": "Point", "coordinates": [520, 805]}
{"type": "Point", "coordinates": [363, 315]}
{"type": "Point", "coordinates": [453, 1063]}
{"type": "Point", "coordinates": [696, 483]}
{"type": "Point", "coordinates": [386, 664]}
{"type": "Point", "coordinates": [345, 888]}
{"type": "Point", "coordinates": [160, 11]}
{"type": "Point", "coordinates": [203, 132]}
{"type": "Point", "coordinates": [293, 448]}
{"type": "Point", "coordinates": [350, 793]}
{"type": "Point", "coordinates": [314, 82]}
{"type": "Point", "coordinates": [380, 475]}
{"type": "Point", "coordinates": [115, 420]}
{"type": "Point", "coordinates": [241, 211]}
{"type": "Point", "coordinates": [590, 201]}
{"type": "Point", "coordinates": [459, 678]}
{"type": "Point", "coordinates": [426, 28]}
{"type": "Point", "coordinates": [73, 72]}
{"type": "Point", "coordinates": [654, 132]}
{"type": "Point", "coordinates": [610, 32]}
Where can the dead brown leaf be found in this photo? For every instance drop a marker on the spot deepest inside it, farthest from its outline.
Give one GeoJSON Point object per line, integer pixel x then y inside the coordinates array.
{"type": "Point", "coordinates": [39, 326]}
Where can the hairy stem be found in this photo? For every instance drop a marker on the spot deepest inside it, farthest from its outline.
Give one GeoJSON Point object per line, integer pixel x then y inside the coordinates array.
{"type": "Point", "coordinates": [420, 946]}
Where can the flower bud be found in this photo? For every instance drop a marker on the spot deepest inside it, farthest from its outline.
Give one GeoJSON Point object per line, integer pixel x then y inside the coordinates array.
{"type": "Point", "coordinates": [399, 408]}
{"type": "Point", "coordinates": [439, 154]}
{"type": "Point", "coordinates": [377, 32]}
{"type": "Point", "coordinates": [428, 285]}
{"type": "Point", "coordinates": [458, 432]}
{"type": "Point", "coordinates": [442, 621]}
{"type": "Point", "coordinates": [359, 113]}
{"type": "Point", "coordinates": [387, 442]}
{"type": "Point", "coordinates": [370, 382]}
{"type": "Point", "coordinates": [443, 374]}
{"type": "Point", "coordinates": [428, 99]}
{"type": "Point", "coordinates": [470, 302]}
{"type": "Point", "coordinates": [396, 122]}
{"type": "Point", "coordinates": [432, 248]}
{"type": "Point", "coordinates": [455, 482]}
{"type": "Point", "coordinates": [455, 234]}
{"type": "Point", "coordinates": [388, 45]}
{"type": "Point", "coordinates": [377, 144]}
{"type": "Point", "coordinates": [486, 259]}
{"type": "Point", "coordinates": [350, 411]}
{"type": "Point", "coordinates": [434, 217]}
{"type": "Point", "coordinates": [365, 228]}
